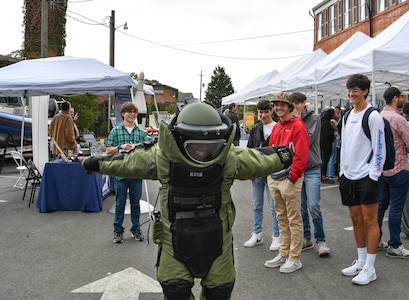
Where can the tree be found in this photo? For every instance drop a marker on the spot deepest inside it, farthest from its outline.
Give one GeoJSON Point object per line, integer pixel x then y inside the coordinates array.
{"type": "Point", "coordinates": [220, 86]}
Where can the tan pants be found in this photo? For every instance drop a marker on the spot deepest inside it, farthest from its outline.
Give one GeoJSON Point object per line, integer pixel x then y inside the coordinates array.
{"type": "Point", "coordinates": [287, 197]}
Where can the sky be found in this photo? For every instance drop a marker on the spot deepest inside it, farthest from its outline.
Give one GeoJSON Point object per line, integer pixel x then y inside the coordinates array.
{"type": "Point", "coordinates": [174, 41]}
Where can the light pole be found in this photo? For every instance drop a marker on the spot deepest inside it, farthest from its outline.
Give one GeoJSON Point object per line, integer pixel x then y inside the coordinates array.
{"type": "Point", "coordinates": [112, 37]}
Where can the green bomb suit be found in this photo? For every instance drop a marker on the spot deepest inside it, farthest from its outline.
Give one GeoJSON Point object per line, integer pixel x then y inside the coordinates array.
{"type": "Point", "coordinates": [176, 269]}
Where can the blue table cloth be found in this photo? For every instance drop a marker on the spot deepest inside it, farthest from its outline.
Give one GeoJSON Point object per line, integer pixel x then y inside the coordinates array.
{"type": "Point", "coordinates": [67, 186]}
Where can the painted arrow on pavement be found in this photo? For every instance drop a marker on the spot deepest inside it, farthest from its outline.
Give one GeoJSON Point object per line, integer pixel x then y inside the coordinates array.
{"type": "Point", "coordinates": [126, 284]}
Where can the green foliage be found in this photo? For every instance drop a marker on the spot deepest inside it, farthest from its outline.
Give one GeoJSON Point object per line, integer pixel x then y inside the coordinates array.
{"type": "Point", "coordinates": [220, 86]}
{"type": "Point", "coordinates": [89, 112]}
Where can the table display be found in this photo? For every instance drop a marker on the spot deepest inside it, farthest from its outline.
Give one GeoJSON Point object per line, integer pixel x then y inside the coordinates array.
{"type": "Point", "coordinates": [67, 186]}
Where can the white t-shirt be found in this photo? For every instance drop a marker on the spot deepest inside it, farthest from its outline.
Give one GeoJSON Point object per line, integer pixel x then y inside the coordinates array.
{"type": "Point", "coordinates": [267, 128]}
{"type": "Point", "coordinates": [356, 147]}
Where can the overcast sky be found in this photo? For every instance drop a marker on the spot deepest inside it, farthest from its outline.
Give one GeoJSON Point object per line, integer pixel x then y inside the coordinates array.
{"type": "Point", "coordinates": [172, 41]}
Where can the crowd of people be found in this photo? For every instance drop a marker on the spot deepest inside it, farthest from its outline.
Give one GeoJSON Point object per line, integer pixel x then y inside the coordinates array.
{"type": "Point", "coordinates": [291, 151]}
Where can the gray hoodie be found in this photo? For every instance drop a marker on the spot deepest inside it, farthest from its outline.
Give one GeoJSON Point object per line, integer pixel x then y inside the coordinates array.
{"type": "Point", "coordinates": [313, 123]}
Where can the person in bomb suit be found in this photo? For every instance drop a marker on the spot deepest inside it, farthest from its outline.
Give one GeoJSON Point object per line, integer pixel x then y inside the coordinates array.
{"type": "Point", "coordinates": [196, 164]}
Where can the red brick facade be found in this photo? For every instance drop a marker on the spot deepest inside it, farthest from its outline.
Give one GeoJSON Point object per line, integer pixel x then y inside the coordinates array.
{"type": "Point", "coordinates": [379, 21]}
{"type": "Point", "coordinates": [164, 94]}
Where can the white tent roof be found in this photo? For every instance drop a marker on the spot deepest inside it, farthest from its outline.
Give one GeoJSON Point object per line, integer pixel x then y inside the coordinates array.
{"type": "Point", "coordinates": [306, 80]}
{"type": "Point", "coordinates": [62, 75]}
{"type": "Point", "coordinates": [384, 59]}
{"type": "Point", "coordinates": [278, 83]}
{"type": "Point", "coordinates": [250, 90]}
{"type": "Point", "coordinates": [266, 88]}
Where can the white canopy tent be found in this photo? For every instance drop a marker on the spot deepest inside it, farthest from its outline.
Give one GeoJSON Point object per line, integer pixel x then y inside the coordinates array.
{"type": "Point", "coordinates": [306, 81]}
{"type": "Point", "coordinates": [384, 59]}
{"type": "Point", "coordinates": [63, 75]}
{"type": "Point", "coordinates": [276, 84]}
{"type": "Point", "coordinates": [250, 91]}
{"type": "Point", "coordinates": [308, 78]}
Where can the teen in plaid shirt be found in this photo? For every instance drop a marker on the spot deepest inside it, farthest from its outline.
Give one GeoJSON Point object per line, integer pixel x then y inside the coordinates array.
{"type": "Point", "coordinates": [122, 138]}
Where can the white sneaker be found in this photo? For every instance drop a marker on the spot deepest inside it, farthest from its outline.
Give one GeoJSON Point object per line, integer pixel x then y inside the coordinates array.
{"type": "Point", "coordinates": [275, 262]}
{"type": "Point", "coordinates": [353, 270]}
{"type": "Point", "coordinates": [256, 239]}
{"type": "Point", "coordinates": [399, 252]}
{"type": "Point", "coordinates": [275, 244]}
{"type": "Point", "coordinates": [323, 249]}
{"type": "Point", "coordinates": [291, 266]}
{"type": "Point", "coordinates": [364, 277]}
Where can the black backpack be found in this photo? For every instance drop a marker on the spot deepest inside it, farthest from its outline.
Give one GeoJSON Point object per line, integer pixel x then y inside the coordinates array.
{"type": "Point", "coordinates": [390, 148]}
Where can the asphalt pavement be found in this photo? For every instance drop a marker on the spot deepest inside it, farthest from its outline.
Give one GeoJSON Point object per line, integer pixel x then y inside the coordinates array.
{"type": "Point", "coordinates": [70, 254]}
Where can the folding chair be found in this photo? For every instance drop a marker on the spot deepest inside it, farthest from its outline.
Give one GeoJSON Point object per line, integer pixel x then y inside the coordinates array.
{"type": "Point", "coordinates": [22, 167]}
{"type": "Point", "coordinates": [34, 177]}
{"type": "Point", "coordinates": [52, 142]}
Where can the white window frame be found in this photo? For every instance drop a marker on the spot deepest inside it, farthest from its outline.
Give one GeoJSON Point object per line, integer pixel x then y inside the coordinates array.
{"type": "Point", "coordinates": [347, 13]}
{"type": "Point", "coordinates": [332, 22]}
{"type": "Point", "coordinates": [363, 12]}
{"type": "Point", "coordinates": [320, 26]}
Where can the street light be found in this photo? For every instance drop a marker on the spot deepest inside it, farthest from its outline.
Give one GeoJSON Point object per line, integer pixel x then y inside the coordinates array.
{"type": "Point", "coordinates": [112, 37]}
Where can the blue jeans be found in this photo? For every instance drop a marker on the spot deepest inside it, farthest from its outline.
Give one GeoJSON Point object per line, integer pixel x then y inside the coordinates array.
{"type": "Point", "coordinates": [258, 186]}
{"type": "Point", "coordinates": [310, 203]}
{"type": "Point", "coordinates": [393, 194]}
{"type": "Point", "coordinates": [332, 161]}
{"type": "Point", "coordinates": [236, 143]}
{"type": "Point", "coordinates": [121, 191]}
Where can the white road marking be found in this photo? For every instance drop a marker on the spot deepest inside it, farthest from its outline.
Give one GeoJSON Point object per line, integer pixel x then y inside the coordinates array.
{"type": "Point", "coordinates": [126, 284]}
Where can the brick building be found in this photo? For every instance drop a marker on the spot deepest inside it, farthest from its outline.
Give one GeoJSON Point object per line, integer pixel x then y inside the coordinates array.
{"type": "Point", "coordinates": [164, 94]}
{"type": "Point", "coordinates": [337, 20]}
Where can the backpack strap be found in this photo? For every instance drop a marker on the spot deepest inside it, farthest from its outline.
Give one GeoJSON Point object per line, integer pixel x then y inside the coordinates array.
{"type": "Point", "coordinates": [365, 126]}
{"type": "Point", "coordinates": [365, 122]}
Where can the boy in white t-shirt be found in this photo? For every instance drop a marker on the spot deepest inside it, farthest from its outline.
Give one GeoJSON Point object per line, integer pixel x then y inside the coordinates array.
{"type": "Point", "coordinates": [360, 170]}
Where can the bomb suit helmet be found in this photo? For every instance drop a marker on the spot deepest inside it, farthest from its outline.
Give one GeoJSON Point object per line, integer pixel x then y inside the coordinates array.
{"type": "Point", "coordinates": [201, 132]}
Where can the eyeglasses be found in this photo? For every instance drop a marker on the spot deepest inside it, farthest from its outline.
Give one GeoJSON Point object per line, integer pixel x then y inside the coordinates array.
{"type": "Point", "coordinates": [131, 112]}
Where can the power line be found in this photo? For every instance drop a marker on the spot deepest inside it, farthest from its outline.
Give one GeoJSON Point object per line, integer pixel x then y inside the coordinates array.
{"type": "Point", "coordinates": [175, 47]}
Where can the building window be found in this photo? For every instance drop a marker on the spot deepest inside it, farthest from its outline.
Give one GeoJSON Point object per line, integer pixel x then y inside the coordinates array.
{"type": "Point", "coordinates": [347, 13]}
{"type": "Point", "coordinates": [381, 5]}
{"type": "Point", "coordinates": [332, 19]}
{"type": "Point", "coordinates": [355, 4]}
{"type": "Point", "coordinates": [363, 11]}
{"type": "Point", "coordinates": [320, 27]}
{"type": "Point", "coordinates": [340, 13]}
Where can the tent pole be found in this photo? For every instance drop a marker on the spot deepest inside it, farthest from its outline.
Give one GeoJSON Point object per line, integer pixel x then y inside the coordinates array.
{"type": "Point", "coordinates": [316, 99]}
{"type": "Point", "coordinates": [22, 127]}
{"type": "Point", "coordinates": [109, 113]}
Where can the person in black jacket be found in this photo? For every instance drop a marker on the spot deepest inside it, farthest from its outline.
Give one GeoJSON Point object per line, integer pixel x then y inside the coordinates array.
{"type": "Point", "coordinates": [326, 139]}
{"type": "Point", "coordinates": [259, 137]}
{"type": "Point", "coordinates": [232, 115]}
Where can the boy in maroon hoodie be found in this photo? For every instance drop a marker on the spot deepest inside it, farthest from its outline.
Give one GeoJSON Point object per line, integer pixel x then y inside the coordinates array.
{"type": "Point", "coordinates": [286, 185]}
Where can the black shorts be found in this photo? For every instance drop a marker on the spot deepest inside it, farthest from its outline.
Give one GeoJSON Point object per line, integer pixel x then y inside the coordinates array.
{"type": "Point", "coordinates": [357, 192]}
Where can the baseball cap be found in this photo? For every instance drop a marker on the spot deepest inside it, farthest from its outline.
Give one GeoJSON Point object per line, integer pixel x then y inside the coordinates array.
{"type": "Point", "coordinates": [393, 91]}
{"type": "Point", "coordinates": [281, 97]}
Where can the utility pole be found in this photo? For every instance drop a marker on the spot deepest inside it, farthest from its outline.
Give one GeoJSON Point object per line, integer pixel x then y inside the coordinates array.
{"type": "Point", "coordinates": [44, 28]}
{"type": "Point", "coordinates": [112, 39]}
{"type": "Point", "coordinates": [200, 96]}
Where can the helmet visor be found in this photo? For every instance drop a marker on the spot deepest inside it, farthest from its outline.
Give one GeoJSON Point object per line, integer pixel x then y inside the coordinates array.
{"type": "Point", "coordinates": [203, 151]}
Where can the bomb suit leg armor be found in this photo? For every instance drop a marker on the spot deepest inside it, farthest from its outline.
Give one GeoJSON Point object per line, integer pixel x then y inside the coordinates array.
{"type": "Point", "coordinates": [195, 211]}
